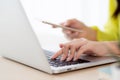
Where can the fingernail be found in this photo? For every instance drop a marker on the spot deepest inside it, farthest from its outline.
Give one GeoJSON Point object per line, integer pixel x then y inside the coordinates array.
{"type": "Point", "coordinates": [68, 59]}
{"type": "Point", "coordinates": [52, 58]}
{"type": "Point", "coordinates": [62, 59]}
{"type": "Point", "coordinates": [74, 59]}
{"type": "Point", "coordinates": [66, 24]}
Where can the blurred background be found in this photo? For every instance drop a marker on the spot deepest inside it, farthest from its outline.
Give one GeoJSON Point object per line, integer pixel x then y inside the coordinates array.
{"type": "Point", "coordinates": [91, 12]}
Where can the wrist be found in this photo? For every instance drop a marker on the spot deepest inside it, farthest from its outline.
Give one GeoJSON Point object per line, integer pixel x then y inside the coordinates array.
{"type": "Point", "coordinates": [92, 34]}
{"type": "Point", "coordinates": [113, 47]}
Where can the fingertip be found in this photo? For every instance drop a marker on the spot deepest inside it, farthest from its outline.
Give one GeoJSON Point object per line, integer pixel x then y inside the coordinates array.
{"type": "Point", "coordinates": [61, 45]}
{"type": "Point", "coordinates": [53, 57]}
{"type": "Point", "coordinates": [62, 59]}
{"type": "Point", "coordinates": [75, 59]}
{"type": "Point", "coordinates": [66, 24]}
{"type": "Point", "coordinates": [53, 27]}
{"type": "Point", "coordinates": [68, 59]}
{"type": "Point", "coordinates": [56, 54]}
{"type": "Point", "coordinates": [62, 23]}
{"type": "Point", "coordinates": [68, 32]}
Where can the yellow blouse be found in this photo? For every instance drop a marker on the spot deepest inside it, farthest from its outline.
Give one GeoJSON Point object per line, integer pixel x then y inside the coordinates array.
{"type": "Point", "coordinates": [112, 27]}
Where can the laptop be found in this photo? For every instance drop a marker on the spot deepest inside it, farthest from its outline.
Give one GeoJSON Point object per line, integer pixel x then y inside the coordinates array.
{"type": "Point", "coordinates": [18, 42]}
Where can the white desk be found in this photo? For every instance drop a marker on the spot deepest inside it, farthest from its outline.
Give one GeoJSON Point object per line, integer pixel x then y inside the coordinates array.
{"type": "Point", "coordinates": [10, 70]}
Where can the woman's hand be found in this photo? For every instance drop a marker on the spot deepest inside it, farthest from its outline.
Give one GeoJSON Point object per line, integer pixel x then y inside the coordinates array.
{"type": "Point", "coordinates": [87, 33]}
{"type": "Point", "coordinates": [74, 49]}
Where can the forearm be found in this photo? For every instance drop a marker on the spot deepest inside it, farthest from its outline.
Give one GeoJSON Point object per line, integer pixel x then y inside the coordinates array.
{"type": "Point", "coordinates": [92, 34]}
{"type": "Point", "coordinates": [113, 46]}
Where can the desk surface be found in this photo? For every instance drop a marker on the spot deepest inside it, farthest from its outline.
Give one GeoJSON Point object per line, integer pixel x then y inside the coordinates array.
{"type": "Point", "coordinates": [10, 70]}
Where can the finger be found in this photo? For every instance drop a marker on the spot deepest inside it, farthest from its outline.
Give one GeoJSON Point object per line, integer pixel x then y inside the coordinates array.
{"type": "Point", "coordinates": [67, 32]}
{"type": "Point", "coordinates": [74, 35]}
{"type": "Point", "coordinates": [61, 45]}
{"type": "Point", "coordinates": [72, 53]}
{"type": "Point", "coordinates": [65, 52]}
{"type": "Point", "coordinates": [68, 23]}
{"type": "Point", "coordinates": [57, 54]}
{"type": "Point", "coordinates": [54, 26]}
{"type": "Point", "coordinates": [62, 23]}
{"type": "Point", "coordinates": [80, 51]}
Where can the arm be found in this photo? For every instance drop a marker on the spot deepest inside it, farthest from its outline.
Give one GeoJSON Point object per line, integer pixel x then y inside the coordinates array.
{"type": "Point", "coordinates": [74, 49]}
{"type": "Point", "coordinates": [111, 31]}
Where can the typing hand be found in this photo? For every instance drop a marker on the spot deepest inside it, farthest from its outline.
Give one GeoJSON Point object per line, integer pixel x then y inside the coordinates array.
{"type": "Point", "coordinates": [75, 48]}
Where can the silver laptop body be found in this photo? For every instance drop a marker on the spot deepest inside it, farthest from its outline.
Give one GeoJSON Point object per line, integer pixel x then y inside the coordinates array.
{"type": "Point", "coordinates": [19, 42]}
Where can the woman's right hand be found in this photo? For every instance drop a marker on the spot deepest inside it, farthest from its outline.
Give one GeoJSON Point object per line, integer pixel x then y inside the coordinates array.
{"type": "Point", "coordinates": [87, 33]}
{"type": "Point", "coordinates": [74, 49]}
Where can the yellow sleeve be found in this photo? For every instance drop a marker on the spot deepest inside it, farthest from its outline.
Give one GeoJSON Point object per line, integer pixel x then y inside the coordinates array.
{"type": "Point", "coordinates": [111, 31]}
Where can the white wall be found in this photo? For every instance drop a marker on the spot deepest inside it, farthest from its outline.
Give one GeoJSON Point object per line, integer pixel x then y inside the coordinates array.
{"type": "Point", "coordinates": [92, 12]}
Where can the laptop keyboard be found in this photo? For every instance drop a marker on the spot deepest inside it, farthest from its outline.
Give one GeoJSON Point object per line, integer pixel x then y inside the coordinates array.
{"type": "Point", "coordinates": [57, 63]}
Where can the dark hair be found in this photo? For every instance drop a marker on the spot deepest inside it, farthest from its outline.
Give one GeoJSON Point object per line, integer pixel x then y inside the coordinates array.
{"type": "Point", "coordinates": [117, 11]}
